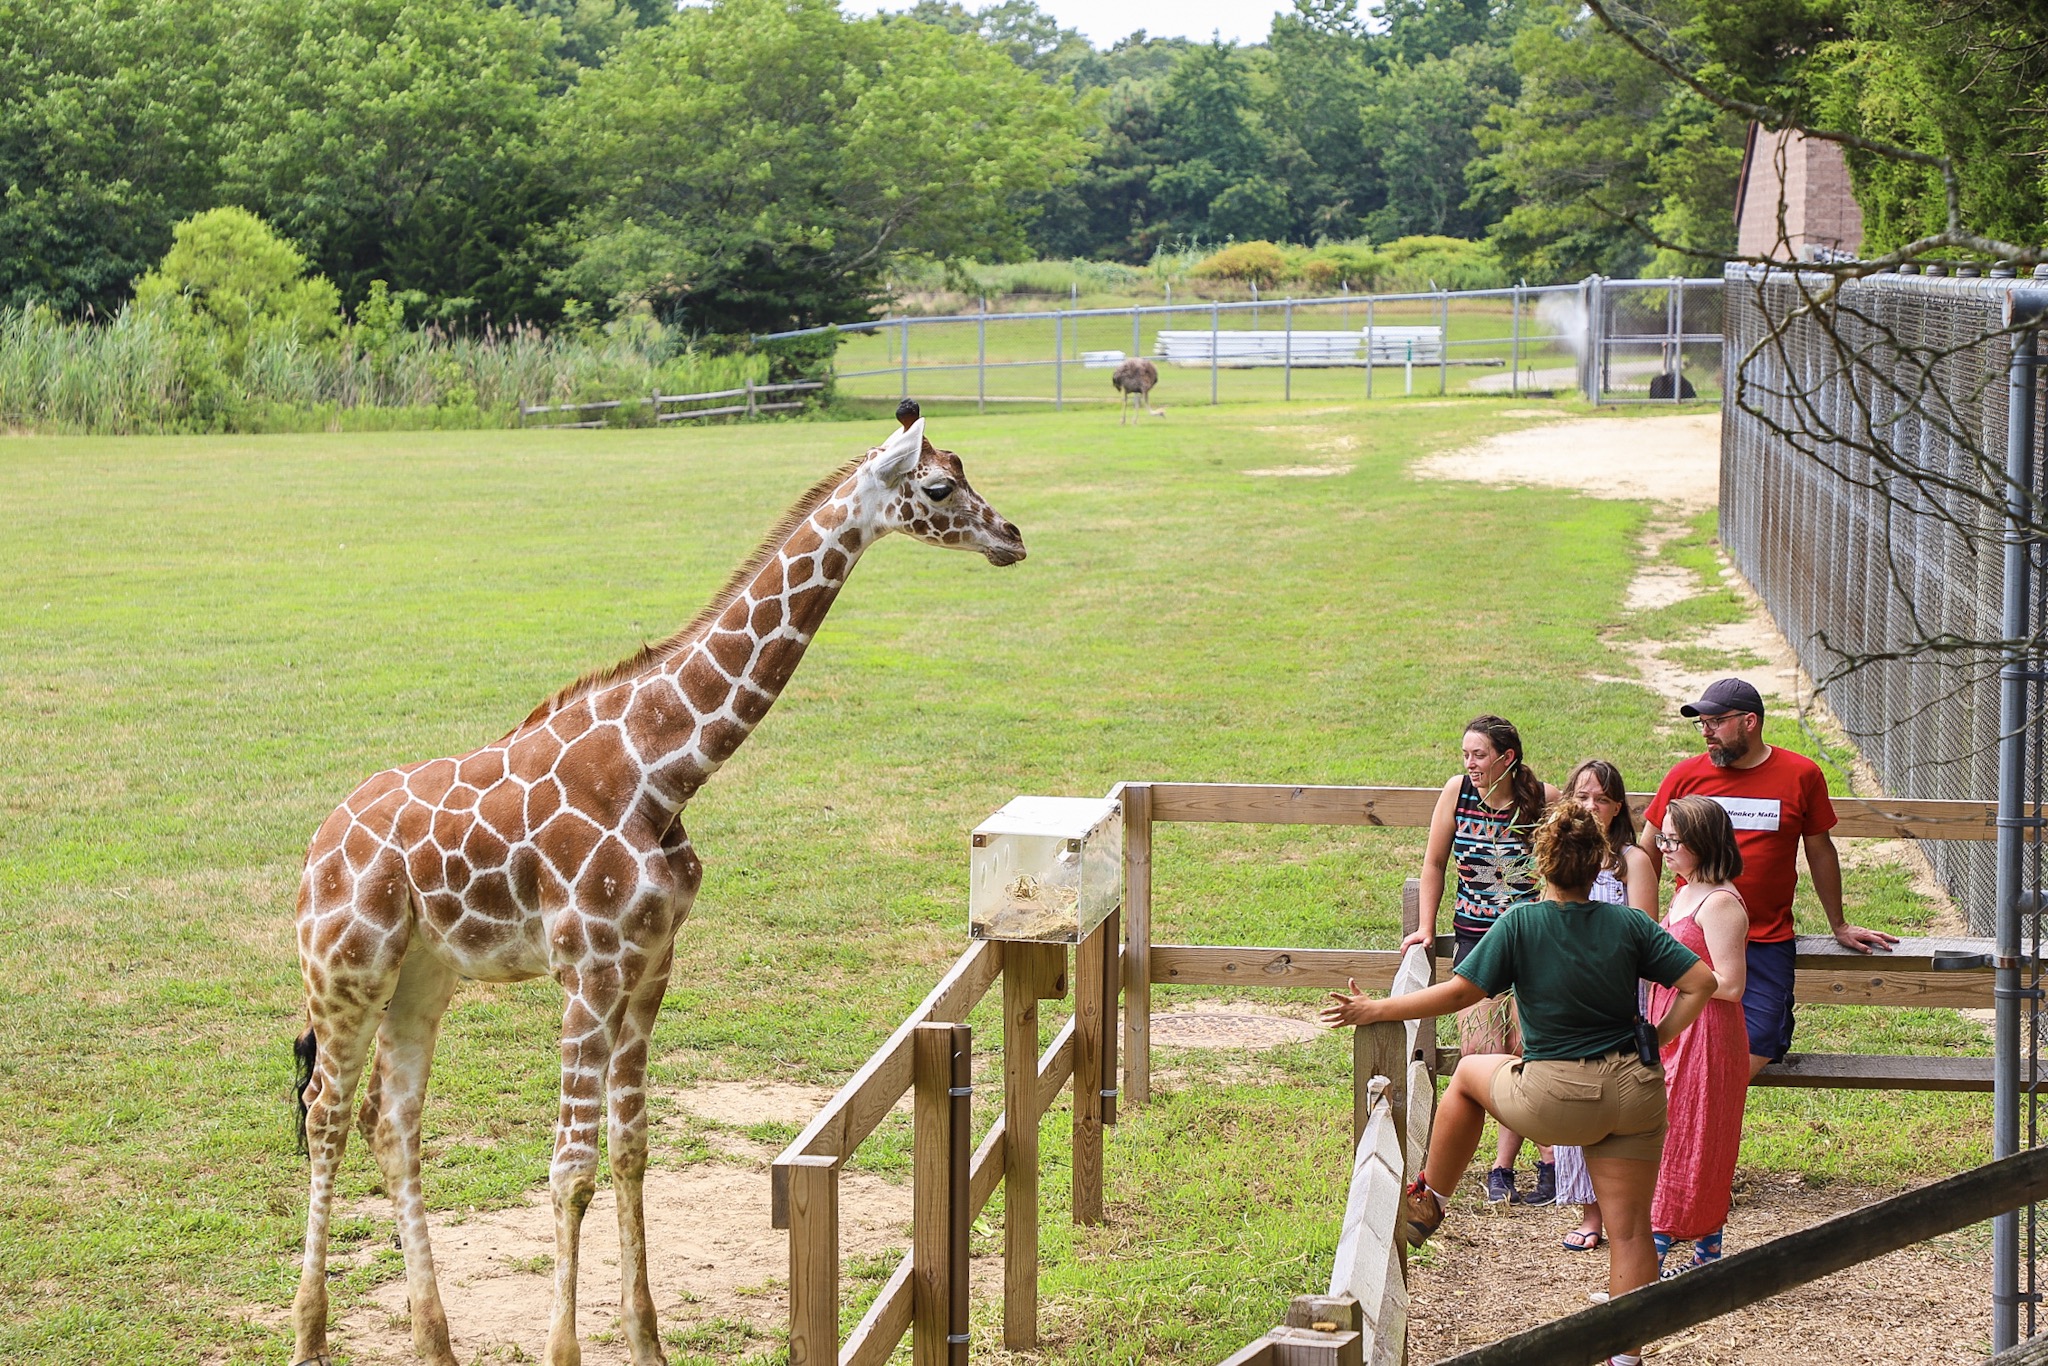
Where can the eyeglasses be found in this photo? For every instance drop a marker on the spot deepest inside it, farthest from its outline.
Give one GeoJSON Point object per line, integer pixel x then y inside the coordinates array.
{"type": "Point", "coordinates": [1668, 842]}
{"type": "Point", "coordinates": [1707, 723]}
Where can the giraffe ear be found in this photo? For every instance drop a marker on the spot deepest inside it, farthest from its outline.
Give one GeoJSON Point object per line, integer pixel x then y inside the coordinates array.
{"type": "Point", "coordinates": [900, 453]}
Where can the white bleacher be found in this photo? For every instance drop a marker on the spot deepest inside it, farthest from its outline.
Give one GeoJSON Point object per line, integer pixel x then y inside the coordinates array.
{"type": "Point", "coordinates": [1101, 360]}
{"type": "Point", "coordinates": [1380, 346]}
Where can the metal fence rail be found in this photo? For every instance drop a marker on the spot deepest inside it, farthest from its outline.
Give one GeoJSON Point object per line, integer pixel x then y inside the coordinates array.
{"type": "Point", "coordinates": [1610, 339]}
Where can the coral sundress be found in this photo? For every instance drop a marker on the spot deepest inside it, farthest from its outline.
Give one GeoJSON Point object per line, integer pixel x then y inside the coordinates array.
{"type": "Point", "coordinates": [1706, 1079]}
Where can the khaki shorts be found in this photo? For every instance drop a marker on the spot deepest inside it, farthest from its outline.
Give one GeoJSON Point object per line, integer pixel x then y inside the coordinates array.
{"type": "Point", "coordinates": [1611, 1106]}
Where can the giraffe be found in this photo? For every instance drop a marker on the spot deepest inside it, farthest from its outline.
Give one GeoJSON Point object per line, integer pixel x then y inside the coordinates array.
{"type": "Point", "coordinates": [559, 849]}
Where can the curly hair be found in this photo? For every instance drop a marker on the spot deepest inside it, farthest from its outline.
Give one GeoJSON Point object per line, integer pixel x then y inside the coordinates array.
{"type": "Point", "coordinates": [1571, 847]}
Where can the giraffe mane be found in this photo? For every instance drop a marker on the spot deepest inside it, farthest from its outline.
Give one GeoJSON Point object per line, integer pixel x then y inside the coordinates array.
{"type": "Point", "coordinates": [661, 651]}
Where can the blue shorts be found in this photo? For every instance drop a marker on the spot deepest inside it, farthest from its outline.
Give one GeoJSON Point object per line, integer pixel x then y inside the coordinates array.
{"type": "Point", "coordinates": [1767, 998]}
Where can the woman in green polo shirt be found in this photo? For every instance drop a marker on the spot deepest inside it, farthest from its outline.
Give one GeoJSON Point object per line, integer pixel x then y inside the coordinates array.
{"type": "Point", "coordinates": [1573, 964]}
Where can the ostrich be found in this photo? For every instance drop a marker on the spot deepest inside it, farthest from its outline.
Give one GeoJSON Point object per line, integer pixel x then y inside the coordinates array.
{"type": "Point", "coordinates": [1134, 379]}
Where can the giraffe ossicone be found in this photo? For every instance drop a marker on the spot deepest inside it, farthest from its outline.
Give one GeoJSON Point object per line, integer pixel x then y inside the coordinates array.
{"type": "Point", "coordinates": [559, 849]}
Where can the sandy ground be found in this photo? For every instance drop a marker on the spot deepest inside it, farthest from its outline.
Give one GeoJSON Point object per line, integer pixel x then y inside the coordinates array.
{"type": "Point", "coordinates": [1671, 460]}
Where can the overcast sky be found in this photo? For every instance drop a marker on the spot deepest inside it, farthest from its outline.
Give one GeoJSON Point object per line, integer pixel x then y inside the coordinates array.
{"type": "Point", "coordinates": [1102, 22]}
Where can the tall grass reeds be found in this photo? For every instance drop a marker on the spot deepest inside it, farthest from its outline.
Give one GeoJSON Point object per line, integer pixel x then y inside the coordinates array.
{"type": "Point", "coordinates": [139, 373]}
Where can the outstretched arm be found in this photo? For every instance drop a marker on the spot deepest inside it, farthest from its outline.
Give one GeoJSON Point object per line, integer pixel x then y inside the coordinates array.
{"type": "Point", "coordinates": [1356, 1008]}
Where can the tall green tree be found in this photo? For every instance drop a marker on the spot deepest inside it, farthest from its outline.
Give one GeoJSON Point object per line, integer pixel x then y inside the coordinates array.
{"type": "Point", "coordinates": [756, 164]}
{"type": "Point", "coordinates": [1600, 151]}
{"type": "Point", "coordinates": [110, 128]}
{"type": "Point", "coordinates": [397, 140]}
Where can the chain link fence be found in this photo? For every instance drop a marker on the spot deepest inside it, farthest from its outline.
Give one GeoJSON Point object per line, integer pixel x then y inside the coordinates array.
{"type": "Point", "coordinates": [1611, 340]}
{"type": "Point", "coordinates": [1862, 457]}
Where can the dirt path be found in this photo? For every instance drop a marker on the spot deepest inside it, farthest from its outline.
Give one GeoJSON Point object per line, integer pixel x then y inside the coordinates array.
{"type": "Point", "coordinates": [1492, 1274]}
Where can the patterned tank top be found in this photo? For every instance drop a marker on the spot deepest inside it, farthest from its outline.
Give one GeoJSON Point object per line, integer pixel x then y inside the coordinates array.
{"type": "Point", "coordinates": [1496, 868]}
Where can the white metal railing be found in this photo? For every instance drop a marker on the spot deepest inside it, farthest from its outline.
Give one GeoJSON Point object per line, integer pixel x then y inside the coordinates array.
{"type": "Point", "coordinates": [750, 391]}
{"type": "Point", "coordinates": [1608, 339]}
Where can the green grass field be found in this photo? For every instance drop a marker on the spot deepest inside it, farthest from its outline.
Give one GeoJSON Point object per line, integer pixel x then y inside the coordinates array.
{"type": "Point", "coordinates": [205, 643]}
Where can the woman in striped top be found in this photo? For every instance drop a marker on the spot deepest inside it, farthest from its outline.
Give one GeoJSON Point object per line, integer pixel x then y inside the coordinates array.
{"type": "Point", "coordinates": [1484, 823]}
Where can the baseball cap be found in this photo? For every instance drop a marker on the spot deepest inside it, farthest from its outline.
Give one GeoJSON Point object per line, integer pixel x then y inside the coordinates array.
{"type": "Point", "coordinates": [1722, 696]}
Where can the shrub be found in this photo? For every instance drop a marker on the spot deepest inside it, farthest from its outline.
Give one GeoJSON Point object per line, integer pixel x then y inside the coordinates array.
{"type": "Point", "coordinates": [1255, 263]}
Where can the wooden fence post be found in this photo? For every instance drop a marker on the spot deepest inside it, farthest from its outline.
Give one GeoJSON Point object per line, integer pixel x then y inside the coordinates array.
{"type": "Point", "coordinates": [813, 1261]}
{"type": "Point", "coordinates": [1138, 954]}
{"type": "Point", "coordinates": [1094, 1063]}
{"type": "Point", "coordinates": [1379, 1050]}
{"type": "Point", "coordinates": [943, 1068]}
{"type": "Point", "coordinates": [1030, 971]}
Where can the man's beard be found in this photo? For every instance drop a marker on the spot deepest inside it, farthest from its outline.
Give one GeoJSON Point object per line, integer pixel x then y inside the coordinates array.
{"type": "Point", "coordinates": [1722, 754]}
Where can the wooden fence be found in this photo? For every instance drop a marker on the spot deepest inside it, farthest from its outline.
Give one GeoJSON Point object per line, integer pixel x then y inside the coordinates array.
{"type": "Point", "coordinates": [1394, 1071]}
{"type": "Point", "coordinates": [751, 392]}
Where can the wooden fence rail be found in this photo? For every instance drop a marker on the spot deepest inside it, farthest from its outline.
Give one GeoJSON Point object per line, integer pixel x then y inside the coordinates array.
{"type": "Point", "coordinates": [1743, 1278]}
{"type": "Point", "coordinates": [750, 391]}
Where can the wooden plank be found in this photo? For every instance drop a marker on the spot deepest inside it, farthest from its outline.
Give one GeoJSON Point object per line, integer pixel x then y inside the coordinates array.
{"type": "Point", "coordinates": [1411, 807]}
{"type": "Point", "coordinates": [1329, 969]}
{"type": "Point", "coordinates": [1334, 1312]}
{"type": "Point", "coordinates": [938, 1249]}
{"type": "Point", "coordinates": [1090, 1019]}
{"type": "Point", "coordinates": [1112, 1022]}
{"type": "Point", "coordinates": [868, 1095]}
{"type": "Point", "coordinates": [1138, 942]}
{"type": "Point", "coordinates": [2032, 1352]}
{"type": "Point", "coordinates": [1405, 807]}
{"type": "Point", "coordinates": [813, 1261]}
{"type": "Point", "coordinates": [985, 1171]}
{"type": "Point", "coordinates": [1743, 1278]}
{"type": "Point", "coordinates": [1875, 982]}
{"type": "Point", "coordinates": [1421, 1115]}
{"type": "Point", "coordinates": [1862, 1072]}
{"type": "Point", "coordinates": [1387, 1056]}
{"type": "Point", "coordinates": [1028, 970]}
{"type": "Point", "coordinates": [888, 1318]}
{"type": "Point", "coordinates": [1411, 921]}
{"type": "Point", "coordinates": [1256, 1353]}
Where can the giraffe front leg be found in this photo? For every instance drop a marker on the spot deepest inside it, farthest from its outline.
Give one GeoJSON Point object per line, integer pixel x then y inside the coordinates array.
{"type": "Point", "coordinates": [626, 1138]}
{"type": "Point", "coordinates": [391, 1123]}
{"type": "Point", "coordinates": [572, 1177]}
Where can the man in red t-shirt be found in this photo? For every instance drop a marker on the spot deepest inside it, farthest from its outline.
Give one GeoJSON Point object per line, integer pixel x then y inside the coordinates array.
{"type": "Point", "coordinates": [1778, 802]}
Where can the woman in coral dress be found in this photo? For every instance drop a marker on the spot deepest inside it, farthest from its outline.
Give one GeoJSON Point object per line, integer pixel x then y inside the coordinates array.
{"type": "Point", "coordinates": [1706, 1067]}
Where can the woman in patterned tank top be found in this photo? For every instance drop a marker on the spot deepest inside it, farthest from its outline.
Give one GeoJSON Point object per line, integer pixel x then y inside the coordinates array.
{"type": "Point", "coordinates": [1483, 825]}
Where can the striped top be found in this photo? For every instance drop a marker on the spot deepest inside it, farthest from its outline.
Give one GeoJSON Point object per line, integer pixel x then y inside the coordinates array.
{"type": "Point", "coordinates": [1496, 868]}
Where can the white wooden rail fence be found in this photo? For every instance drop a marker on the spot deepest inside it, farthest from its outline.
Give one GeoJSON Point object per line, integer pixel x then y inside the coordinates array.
{"type": "Point", "coordinates": [751, 392]}
{"type": "Point", "coordinates": [1364, 1318]}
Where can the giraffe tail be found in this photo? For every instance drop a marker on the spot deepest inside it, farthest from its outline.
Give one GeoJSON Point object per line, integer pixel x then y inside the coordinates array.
{"type": "Point", "coordinates": [305, 1049]}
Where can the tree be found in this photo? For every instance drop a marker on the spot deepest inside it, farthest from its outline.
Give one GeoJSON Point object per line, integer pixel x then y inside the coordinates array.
{"type": "Point", "coordinates": [1597, 145]}
{"type": "Point", "coordinates": [756, 164]}
{"type": "Point", "coordinates": [396, 140]}
{"type": "Point", "coordinates": [1421, 122]}
{"type": "Point", "coordinates": [110, 122]}
{"type": "Point", "coordinates": [229, 275]}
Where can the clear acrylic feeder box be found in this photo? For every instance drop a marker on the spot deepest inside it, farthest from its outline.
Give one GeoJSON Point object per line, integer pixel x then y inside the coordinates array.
{"type": "Point", "coordinates": [1046, 869]}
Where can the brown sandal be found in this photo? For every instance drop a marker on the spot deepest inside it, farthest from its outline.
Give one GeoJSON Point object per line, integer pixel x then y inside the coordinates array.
{"type": "Point", "coordinates": [1420, 1216]}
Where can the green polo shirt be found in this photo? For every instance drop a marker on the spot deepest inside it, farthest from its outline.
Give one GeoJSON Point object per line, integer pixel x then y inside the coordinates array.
{"type": "Point", "coordinates": [1573, 966]}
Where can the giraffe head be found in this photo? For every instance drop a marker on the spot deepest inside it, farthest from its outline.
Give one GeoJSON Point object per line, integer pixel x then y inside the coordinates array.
{"type": "Point", "coordinates": [922, 491]}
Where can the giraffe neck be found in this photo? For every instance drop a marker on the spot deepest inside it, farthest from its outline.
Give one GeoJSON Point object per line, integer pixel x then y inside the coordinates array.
{"type": "Point", "coordinates": [735, 668]}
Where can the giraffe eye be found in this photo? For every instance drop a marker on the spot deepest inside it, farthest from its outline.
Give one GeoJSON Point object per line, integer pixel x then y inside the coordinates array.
{"type": "Point", "coordinates": [939, 490]}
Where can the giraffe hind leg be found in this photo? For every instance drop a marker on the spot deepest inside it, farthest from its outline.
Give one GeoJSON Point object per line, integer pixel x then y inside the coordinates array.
{"type": "Point", "coordinates": [341, 1032]}
{"type": "Point", "coordinates": [390, 1121]}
